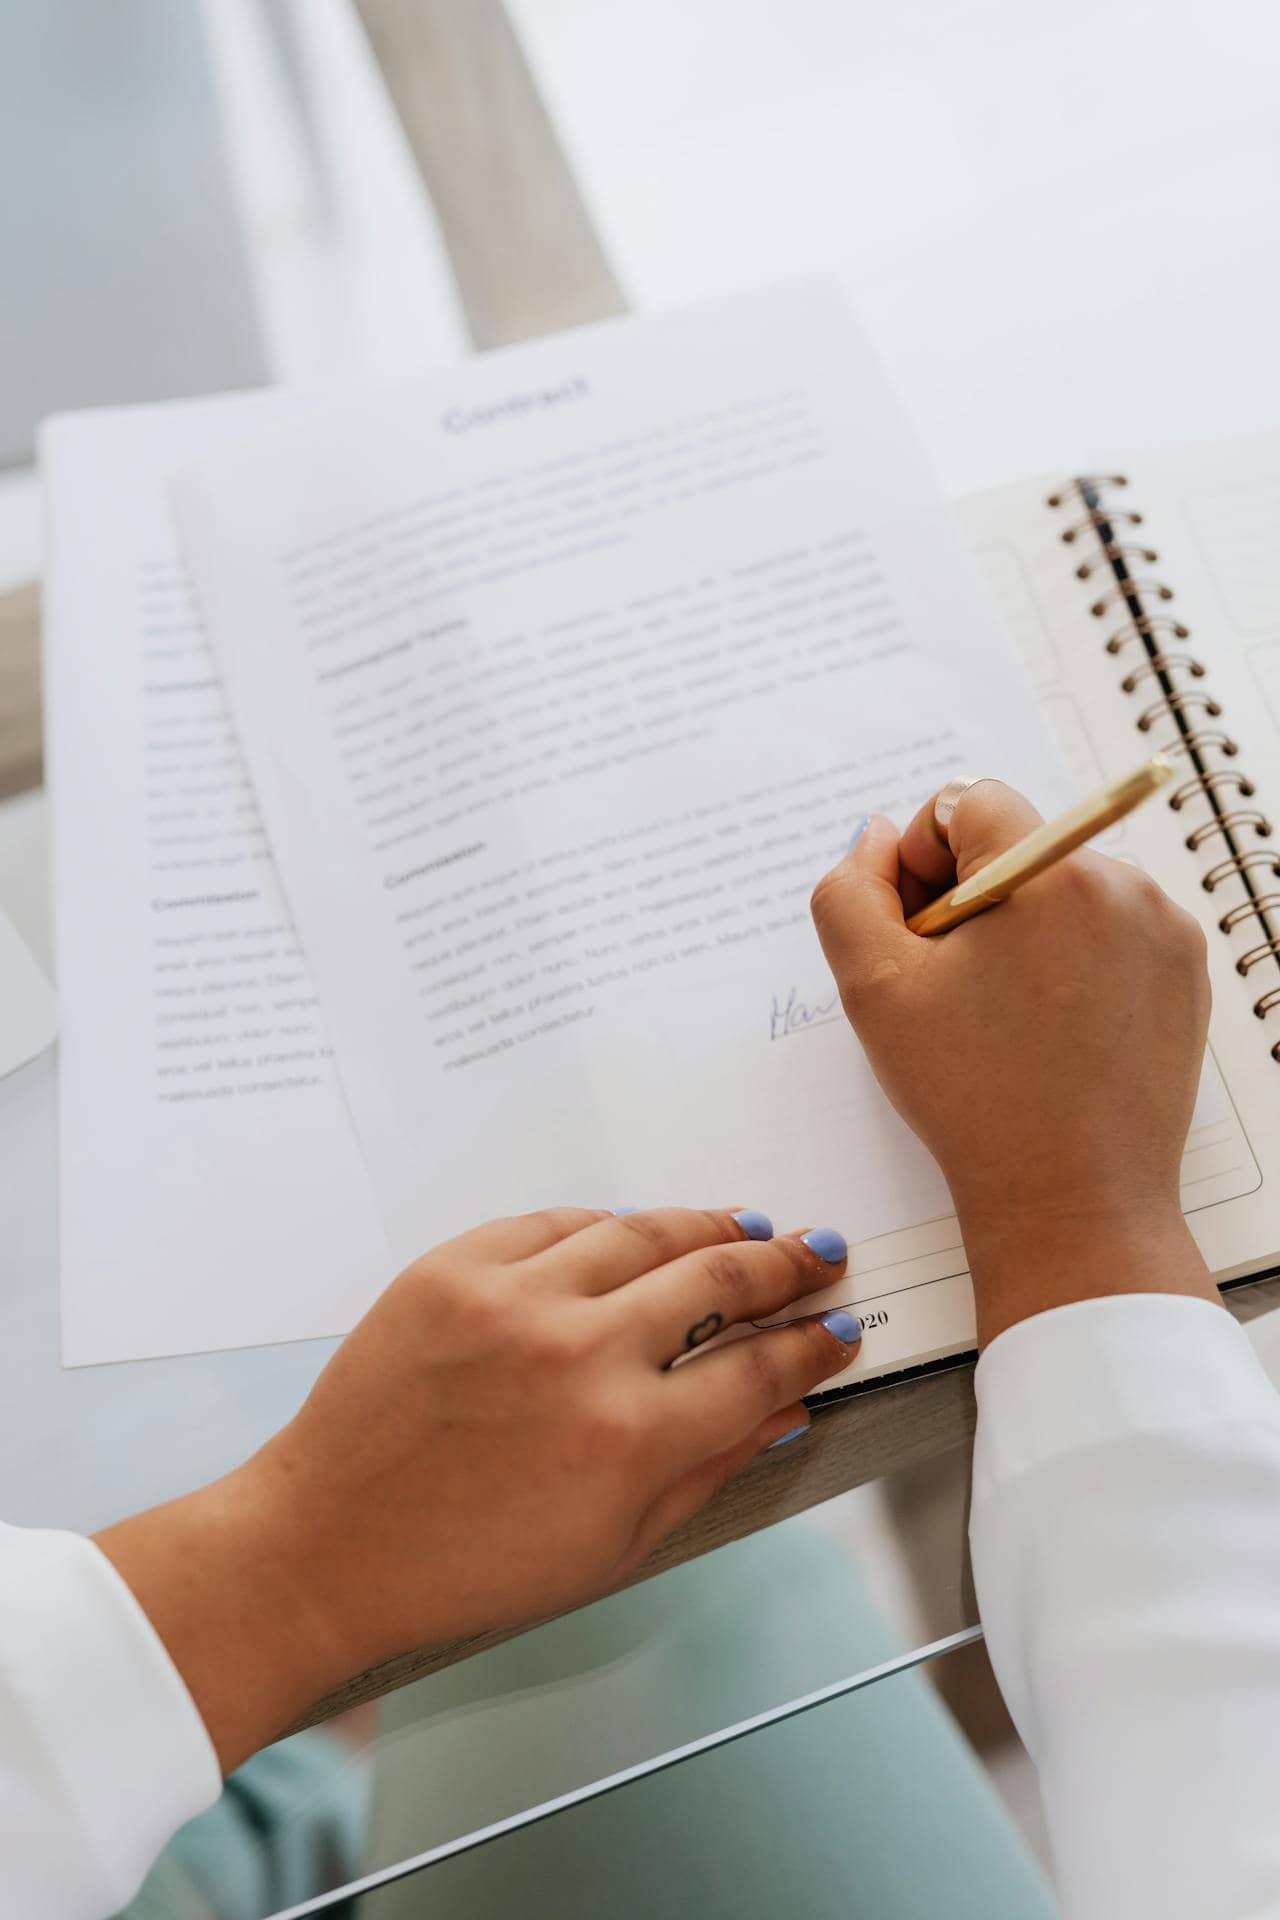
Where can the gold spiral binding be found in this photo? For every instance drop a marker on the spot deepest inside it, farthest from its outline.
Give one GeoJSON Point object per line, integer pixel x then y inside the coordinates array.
{"type": "Point", "coordinates": [1143, 627]}
{"type": "Point", "coordinates": [1082, 483]}
{"type": "Point", "coordinates": [1265, 903]}
{"type": "Point", "coordinates": [1241, 863]}
{"type": "Point", "coordinates": [1201, 783]}
{"type": "Point", "coordinates": [1178, 703]}
{"type": "Point", "coordinates": [1194, 740]}
{"type": "Point", "coordinates": [1129, 590]}
{"type": "Point", "coordinates": [1110, 550]}
{"type": "Point", "coordinates": [1162, 665]}
{"type": "Point", "coordinates": [1097, 517]}
{"type": "Point", "coordinates": [1157, 663]}
{"type": "Point", "coordinates": [1227, 823]}
{"type": "Point", "coordinates": [1264, 950]}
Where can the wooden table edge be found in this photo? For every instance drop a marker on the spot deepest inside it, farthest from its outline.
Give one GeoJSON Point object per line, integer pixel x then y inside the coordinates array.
{"type": "Point", "coordinates": [851, 1442]}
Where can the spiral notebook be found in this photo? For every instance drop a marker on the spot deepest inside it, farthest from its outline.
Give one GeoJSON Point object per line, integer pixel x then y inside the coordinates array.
{"type": "Point", "coordinates": [1145, 604]}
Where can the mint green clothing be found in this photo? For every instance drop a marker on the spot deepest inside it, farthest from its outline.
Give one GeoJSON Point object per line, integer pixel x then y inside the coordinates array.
{"type": "Point", "coordinates": [870, 1808]}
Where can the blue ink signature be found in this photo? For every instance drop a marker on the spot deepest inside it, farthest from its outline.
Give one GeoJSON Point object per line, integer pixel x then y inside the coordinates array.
{"type": "Point", "coordinates": [796, 1015]}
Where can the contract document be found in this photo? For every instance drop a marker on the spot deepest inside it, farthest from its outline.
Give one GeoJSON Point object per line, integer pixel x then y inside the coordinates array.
{"type": "Point", "coordinates": [561, 680]}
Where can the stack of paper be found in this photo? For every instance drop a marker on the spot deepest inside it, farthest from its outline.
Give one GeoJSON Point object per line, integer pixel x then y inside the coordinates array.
{"type": "Point", "coordinates": [498, 745]}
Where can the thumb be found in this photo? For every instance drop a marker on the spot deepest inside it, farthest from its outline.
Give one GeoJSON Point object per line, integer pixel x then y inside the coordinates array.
{"type": "Point", "coordinates": [857, 909]}
{"type": "Point", "coordinates": [988, 818]}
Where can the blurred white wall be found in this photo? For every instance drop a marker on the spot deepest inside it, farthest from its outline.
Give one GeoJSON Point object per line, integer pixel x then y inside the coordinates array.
{"type": "Point", "coordinates": [1057, 221]}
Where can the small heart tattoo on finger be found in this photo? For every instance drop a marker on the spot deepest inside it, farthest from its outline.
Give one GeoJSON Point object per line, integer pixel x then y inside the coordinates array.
{"type": "Point", "coordinates": [703, 1330]}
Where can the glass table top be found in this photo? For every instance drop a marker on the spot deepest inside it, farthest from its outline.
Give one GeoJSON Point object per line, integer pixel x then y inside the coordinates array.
{"type": "Point", "coordinates": [583, 1758]}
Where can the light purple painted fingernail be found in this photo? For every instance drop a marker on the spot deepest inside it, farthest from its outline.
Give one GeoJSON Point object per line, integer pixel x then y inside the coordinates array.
{"type": "Point", "coordinates": [619, 1211]}
{"type": "Point", "coordinates": [827, 1243]}
{"type": "Point", "coordinates": [782, 1440]}
{"type": "Point", "coordinates": [846, 1326]}
{"type": "Point", "coordinates": [756, 1226]}
{"type": "Point", "coordinates": [858, 832]}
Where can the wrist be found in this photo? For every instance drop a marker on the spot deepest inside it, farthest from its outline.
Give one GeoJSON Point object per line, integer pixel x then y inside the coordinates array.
{"type": "Point", "coordinates": [218, 1575]}
{"type": "Point", "coordinates": [1124, 1243]}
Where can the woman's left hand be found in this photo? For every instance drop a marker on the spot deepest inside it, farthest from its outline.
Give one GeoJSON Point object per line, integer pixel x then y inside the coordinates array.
{"type": "Point", "coordinates": [503, 1435]}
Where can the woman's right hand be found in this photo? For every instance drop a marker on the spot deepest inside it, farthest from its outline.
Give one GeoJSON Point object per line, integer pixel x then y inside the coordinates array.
{"type": "Point", "coordinates": [1047, 1052]}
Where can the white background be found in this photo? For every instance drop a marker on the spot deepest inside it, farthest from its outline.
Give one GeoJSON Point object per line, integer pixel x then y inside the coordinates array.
{"type": "Point", "coordinates": [1058, 222]}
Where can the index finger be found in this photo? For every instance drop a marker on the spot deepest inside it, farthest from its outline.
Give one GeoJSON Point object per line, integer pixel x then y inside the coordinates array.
{"type": "Point", "coordinates": [519, 1236]}
{"type": "Point", "coordinates": [621, 1247]}
{"type": "Point", "coordinates": [858, 913]}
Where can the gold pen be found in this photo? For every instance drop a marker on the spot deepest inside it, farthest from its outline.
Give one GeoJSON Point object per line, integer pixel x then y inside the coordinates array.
{"type": "Point", "coordinates": [1030, 856]}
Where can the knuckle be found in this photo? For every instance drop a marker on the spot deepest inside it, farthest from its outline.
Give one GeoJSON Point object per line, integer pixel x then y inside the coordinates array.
{"type": "Point", "coordinates": [822, 899]}
{"type": "Point", "coordinates": [882, 978]}
{"type": "Point", "coordinates": [1170, 926]}
{"type": "Point", "coordinates": [616, 1428]}
{"type": "Point", "coordinates": [853, 997]}
{"type": "Point", "coordinates": [855, 986]}
{"type": "Point", "coordinates": [559, 1222]}
{"type": "Point", "coordinates": [860, 987]}
{"type": "Point", "coordinates": [877, 998]}
{"type": "Point", "coordinates": [456, 1286]}
{"type": "Point", "coordinates": [803, 1269]}
{"type": "Point", "coordinates": [426, 1276]}
{"type": "Point", "coordinates": [652, 1231]}
{"type": "Point", "coordinates": [1095, 889]}
{"type": "Point", "coordinates": [1133, 884]}
{"type": "Point", "coordinates": [553, 1342]}
{"type": "Point", "coordinates": [987, 800]}
{"type": "Point", "coordinates": [763, 1361]}
{"type": "Point", "coordinates": [1083, 883]}
{"type": "Point", "coordinates": [727, 1273]}
{"type": "Point", "coordinates": [1191, 937]}
{"type": "Point", "coordinates": [680, 1230]}
{"type": "Point", "coordinates": [1147, 899]}
{"type": "Point", "coordinates": [471, 1320]}
{"type": "Point", "coordinates": [822, 1354]}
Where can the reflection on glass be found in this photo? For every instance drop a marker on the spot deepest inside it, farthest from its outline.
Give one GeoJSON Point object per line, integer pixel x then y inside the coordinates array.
{"type": "Point", "coordinates": [868, 1807]}
{"type": "Point", "coordinates": [750, 1628]}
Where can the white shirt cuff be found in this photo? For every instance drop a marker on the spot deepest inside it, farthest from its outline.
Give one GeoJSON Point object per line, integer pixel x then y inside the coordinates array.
{"type": "Point", "coordinates": [1078, 1377]}
{"type": "Point", "coordinates": [103, 1754]}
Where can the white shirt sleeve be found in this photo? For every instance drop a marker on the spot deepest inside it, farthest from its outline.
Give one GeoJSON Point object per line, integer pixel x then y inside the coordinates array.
{"type": "Point", "coordinates": [103, 1754]}
{"type": "Point", "coordinates": [1126, 1551]}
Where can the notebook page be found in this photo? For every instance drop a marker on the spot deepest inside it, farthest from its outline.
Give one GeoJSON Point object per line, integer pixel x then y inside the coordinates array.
{"type": "Point", "coordinates": [212, 1191]}
{"type": "Point", "coordinates": [1205, 514]}
{"type": "Point", "coordinates": [562, 682]}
